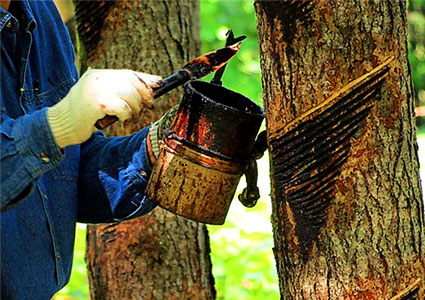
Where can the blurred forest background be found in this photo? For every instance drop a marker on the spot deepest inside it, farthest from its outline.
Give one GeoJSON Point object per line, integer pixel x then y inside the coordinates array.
{"type": "Point", "coordinates": [241, 249]}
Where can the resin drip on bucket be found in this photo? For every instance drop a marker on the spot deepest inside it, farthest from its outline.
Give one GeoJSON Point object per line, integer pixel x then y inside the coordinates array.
{"type": "Point", "coordinates": [205, 152]}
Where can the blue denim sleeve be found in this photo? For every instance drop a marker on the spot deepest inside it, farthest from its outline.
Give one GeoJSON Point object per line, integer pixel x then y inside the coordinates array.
{"type": "Point", "coordinates": [28, 150]}
{"type": "Point", "coordinates": [113, 177]}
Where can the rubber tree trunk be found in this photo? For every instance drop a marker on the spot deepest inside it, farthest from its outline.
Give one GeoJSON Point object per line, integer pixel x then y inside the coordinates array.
{"type": "Point", "coordinates": [160, 255]}
{"type": "Point", "coordinates": [371, 245]}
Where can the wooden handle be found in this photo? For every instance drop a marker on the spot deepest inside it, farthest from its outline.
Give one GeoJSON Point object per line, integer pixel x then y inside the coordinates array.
{"type": "Point", "coordinates": [171, 82]}
{"type": "Point", "coordinates": [105, 122]}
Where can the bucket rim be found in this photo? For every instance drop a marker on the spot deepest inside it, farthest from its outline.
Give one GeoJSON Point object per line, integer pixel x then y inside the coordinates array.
{"type": "Point", "coordinates": [188, 86]}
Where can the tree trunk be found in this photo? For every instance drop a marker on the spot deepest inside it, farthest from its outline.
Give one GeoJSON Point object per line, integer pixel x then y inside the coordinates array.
{"type": "Point", "coordinates": [161, 255]}
{"type": "Point", "coordinates": [371, 242]}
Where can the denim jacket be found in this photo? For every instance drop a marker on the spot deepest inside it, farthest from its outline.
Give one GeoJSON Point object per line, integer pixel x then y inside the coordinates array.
{"type": "Point", "coordinates": [45, 190]}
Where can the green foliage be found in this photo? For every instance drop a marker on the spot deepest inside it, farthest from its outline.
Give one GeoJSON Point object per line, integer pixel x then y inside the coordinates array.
{"type": "Point", "coordinates": [421, 134]}
{"type": "Point", "coordinates": [416, 21]}
{"type": "Point", "coordinates": [243, 71]}
{"type": "Point", "coordinates": [241, 248]}
{"type": "Point", "coordinates": [243, 263]}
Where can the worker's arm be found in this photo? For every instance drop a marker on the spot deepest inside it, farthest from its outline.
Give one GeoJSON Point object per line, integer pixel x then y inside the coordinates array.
{"type": "Point", "coordinates": [29, 143]}
{"type": "Point", "coordinates": [114, 173]}
{"type": "Point", "coordinates": [113, 176]}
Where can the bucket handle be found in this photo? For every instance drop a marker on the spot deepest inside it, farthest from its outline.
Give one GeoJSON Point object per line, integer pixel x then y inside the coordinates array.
{"type": "Point", "coordinates": [251, 193]}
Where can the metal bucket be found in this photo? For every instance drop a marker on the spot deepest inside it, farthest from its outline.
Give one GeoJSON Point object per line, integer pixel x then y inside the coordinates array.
{"type": "Point", "coordinates": [205, 152]}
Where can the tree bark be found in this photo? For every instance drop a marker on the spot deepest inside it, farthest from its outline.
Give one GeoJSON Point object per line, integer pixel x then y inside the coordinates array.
{"type": "Point", "coordinates": [161, 255]}
{"type": "Point", "coordinates": [371, 245]}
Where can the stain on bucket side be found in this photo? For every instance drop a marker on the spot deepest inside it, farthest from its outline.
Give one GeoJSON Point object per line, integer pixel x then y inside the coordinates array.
{"type": "Point", "coordinates": [191, 190]}
{"type": "Point", "coordinates": [217, 120]}
{"type": "Point", "coordinates": [204, 152]}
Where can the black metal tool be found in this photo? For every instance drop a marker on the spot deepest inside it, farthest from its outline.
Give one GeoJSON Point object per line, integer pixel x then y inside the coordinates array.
{"type": "Point", "coordinates": [196, 68]}
{"type": "Point", "coordinates": [229, 41]}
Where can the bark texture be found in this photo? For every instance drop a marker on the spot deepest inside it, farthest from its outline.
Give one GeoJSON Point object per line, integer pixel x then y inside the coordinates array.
{"type": "Point", "coordinates": [372, 244]}
{"type": "Point", "coordinates": [158, 256]}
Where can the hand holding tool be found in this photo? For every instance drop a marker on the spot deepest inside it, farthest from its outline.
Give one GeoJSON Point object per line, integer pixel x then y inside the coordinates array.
{"type": "Point", "coordinates": [195, 69]}
{"type": "Point", "coordinates": [97, 93]}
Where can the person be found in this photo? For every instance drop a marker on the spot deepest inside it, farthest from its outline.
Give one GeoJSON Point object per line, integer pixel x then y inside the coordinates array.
{"type": "Point", "coordinates": [56, 169]}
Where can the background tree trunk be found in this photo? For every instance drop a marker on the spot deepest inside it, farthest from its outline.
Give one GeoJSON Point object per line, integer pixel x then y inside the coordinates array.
{"type": "Point", "coordinates": [372, 246]}
{"type": "Point", "coordinates": [158, 256]}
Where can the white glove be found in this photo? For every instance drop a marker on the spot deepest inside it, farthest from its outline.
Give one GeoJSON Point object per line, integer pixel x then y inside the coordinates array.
{"type": "Point", "coordinates": [97, 93]}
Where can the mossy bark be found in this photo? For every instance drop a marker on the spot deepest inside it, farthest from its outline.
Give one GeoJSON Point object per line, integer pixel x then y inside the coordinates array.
{"type": "Point", "coordinates": [373, 243]}
{"type": "Point", "coordinates": [160, 255]}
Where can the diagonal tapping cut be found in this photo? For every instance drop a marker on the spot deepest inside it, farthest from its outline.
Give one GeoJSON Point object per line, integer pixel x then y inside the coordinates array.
{"type": "Point", "coordinates": [308, 153]}
{"type": "Point", "coordinates": [90, 17]}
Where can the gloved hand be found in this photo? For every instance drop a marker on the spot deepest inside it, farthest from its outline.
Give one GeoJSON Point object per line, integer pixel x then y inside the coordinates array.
{"type": "Point", "coordinates": [120, 93]}
{"type": "Point", "coordinates": [157, 129]}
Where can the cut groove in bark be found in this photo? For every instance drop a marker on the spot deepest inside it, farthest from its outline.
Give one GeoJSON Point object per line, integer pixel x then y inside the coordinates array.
{"type": "Point", "coordinates": [372, 244]}
{"type": "Point", "coordinates": [90, 17]}
{"type": "Point", "coordinates": [308, 152]}
{"type": "Point", "coordinates": [408, 291]}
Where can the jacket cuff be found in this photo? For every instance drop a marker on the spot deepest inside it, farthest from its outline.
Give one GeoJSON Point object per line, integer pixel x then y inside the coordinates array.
{"type": "Point", "coordinates": [138, 209]}
{"type": "Point", "coordinates": [36, 144]}
{"type": "Point", "coordinates": [153, 135]}
{"type": "Point", "coordinates": [127, 197]}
